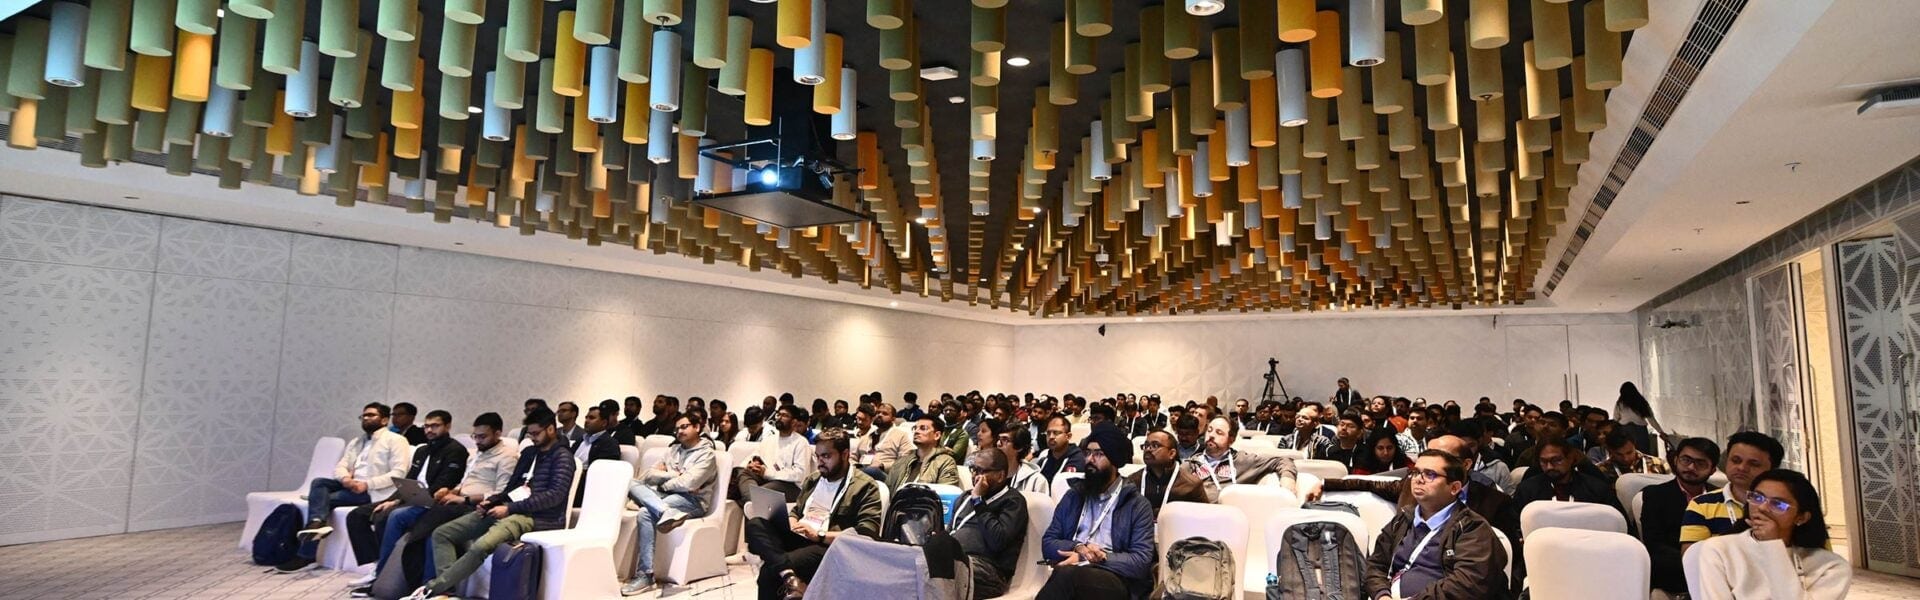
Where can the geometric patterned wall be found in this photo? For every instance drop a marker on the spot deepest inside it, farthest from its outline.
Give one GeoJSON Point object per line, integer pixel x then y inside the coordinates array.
{"type": "Point", "coordinates": [1780, 360]}
{"type": "Point", "coordinates": [1875, 282]}
{"type": "Point", "coordinates": [155, 369]}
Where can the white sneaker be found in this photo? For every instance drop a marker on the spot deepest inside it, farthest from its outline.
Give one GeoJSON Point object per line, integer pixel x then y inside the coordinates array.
{"type": "Point", "coordinates": [317, 532]}
{"type": "Point", "coordinates": [365, 580]}
{"type": "Point", "coordinates": [418, 594]}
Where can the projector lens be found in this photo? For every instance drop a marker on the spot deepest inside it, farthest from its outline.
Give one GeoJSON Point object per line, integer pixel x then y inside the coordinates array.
{"type": "Point", "coordinates": [769, 176]}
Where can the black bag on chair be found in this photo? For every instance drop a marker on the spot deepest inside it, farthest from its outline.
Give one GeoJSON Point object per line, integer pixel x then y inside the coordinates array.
{"type": "Point", "coordinates": [277, 540]}
{"type": "Point", "coordinates": [516, 572]}
{"type": "Point", "coordinates": [913, 516]}
{"type": "Point", "coordinates": [1318, 560]}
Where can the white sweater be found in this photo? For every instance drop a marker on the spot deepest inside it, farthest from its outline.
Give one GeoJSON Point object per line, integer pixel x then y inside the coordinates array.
{"type": "Point", "coordinates": [377, 459]}
{"type": "Point", "coordinates": [789, 457]}
{"type": "Point", "coordinates": [1738, 567]}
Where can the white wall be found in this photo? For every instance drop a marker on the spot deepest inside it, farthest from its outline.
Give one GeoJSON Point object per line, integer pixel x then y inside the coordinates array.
{"type": "Point", "coordinates": [153, 369]}
{"type": "Point", "coordinates": [1437, 357]}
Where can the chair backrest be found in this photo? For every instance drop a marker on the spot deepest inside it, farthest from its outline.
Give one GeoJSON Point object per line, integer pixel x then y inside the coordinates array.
{"type": "Point", "coordinates": [607, 482]}
{"type": "Point", "coordinates": [1507, 545]}
{"type": "Point", "coordinates": [743, 451]}
{"type": "Point", "coordinates": [1326, 469]}
{"type": "Point", "coordinates": [1277, 524]}
{"type": "Point", "coordinates": [1257, 503]}
{"type": "Point", "coordinates": [1541, 514]}
{"type": "Point", "coordinates": [467, 440]}
{"type": "Point", "coordinates": [1079, 431]}
{"type": "Point", "coordinates": [631, 455]}
{"type": "Point", "coordinates": [1137, 455]}
{"type": "Point", "coordinates": [653, 441]}
{"type": "Point", "coordinates": [966, 478]}
{"type": "Point", "coordinates": [1374, 510]}
{"type": "Point", "coordinates": [651, 457]}
{"type": "Point", "coordinates": [1517, 474]}
{"type": "Point", "coordinates": [1633, 506]}
{"type": "Point", "coordinates": [722, 482]}
{"type": "Point", "coordinates": [1253, 446]}
{"type": "Point", "coordinates": [1060, 484]}
{"type": "Point", "coordinates": [886, 496]}
{"type": "Point", "coordinates": [1296, 455]}
{"type": "Point", "coordinates": [326, 455]}
{"type": "Point", "coordinates": [573, 488]}
{"type": "Point", "coordinates": [1717, 480]}
{"type": "Point", "coordinates": [1026, 573]}
{"type": "Point", "coordinates": [1225, 524]}
{"type": "Point", "coordinates": [1578, 563]}
{"type": "Point", "coordinates": [1129, 470]}
{"type": "Point", "coordinates": [1630, 484]}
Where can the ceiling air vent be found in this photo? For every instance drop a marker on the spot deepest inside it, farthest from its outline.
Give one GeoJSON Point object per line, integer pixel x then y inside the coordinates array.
{"type": "Point", "coordinates": [1892, 102]}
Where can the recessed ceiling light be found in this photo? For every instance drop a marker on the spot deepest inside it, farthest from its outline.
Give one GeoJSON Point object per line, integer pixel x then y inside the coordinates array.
{"type": "Point", "coordinates": [1205, 7]}
{"type": "Point", "coordinates": [956, 99]}
{"type": "Point", "coordinates": [1138, 319]}
{"type": "Point", "coordinates": [940, 73]}
{"type": "Point", "coordinates": [474, 110]}
{"type": "Point", "coordinates": [894, 303]}
{"type": "Point", "coordinates": [1018, 61]}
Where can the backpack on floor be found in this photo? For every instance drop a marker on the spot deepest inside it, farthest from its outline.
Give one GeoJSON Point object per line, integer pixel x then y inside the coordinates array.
{"type": "Point", "coordinates": [1199, 569]}
{"type": "Point", "coordinates": [277, 540]}
{"type": "Point", "coordinates": [404, 565]}
{"type": "Point", "coordinates": [1318, 560]}
{"type": "Point", "coordinates": [913, 516]}
{"type": "Point", "coordinates": [516, 572]}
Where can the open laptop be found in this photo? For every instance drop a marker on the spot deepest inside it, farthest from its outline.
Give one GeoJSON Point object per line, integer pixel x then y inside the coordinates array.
{"type": "Point", "coordinates": [411, 493]}
{"type": "Point", "coordinates": [767, 504]}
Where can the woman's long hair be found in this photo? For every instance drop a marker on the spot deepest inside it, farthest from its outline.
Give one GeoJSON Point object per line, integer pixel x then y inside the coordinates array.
{"type": "Point", "coordinates": [1630, 399]}
{"type": "Point", "coordinates": [1811, 534]}
{"type": "Point", "coordinates": [1372, 464]}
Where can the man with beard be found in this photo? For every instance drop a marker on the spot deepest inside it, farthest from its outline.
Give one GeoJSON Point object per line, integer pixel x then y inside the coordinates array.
{"type": "Point", "coordinates": [1347, 448]}
{"type": "Point", "coordinates": [1186, 433]}
{"type": "Point", "coordinates": [781, 463]}
{"type": "Point", "coordinates": [1061, 455]}
{"type": "Point", "coordinates": [1218, 465]}
{"type": "Point", "coordinates": [1164, 480]}
{"type": "Point", "coordinates": [1434, 549]}
{"type": "Point", "coordinates": [597, 445]}
{"type": "Point", "coordinates": [1307, 436]}
{"type": "Point", "coordinates": [671, 492]}
{"type": "Point", "coordinates": [895, 441]}
{"type": "Point", "coordinates": [534, 500]}
{"type": "Point", "coordinates": [666, 410]}
{"type": "Point", "coordinates": [1102, 530]}
{"type": "Point", "coordinates": [928, 463]}
{"type": "Point", "coordinates": [1661, 508]}
{"type": "Point", "coordinates": [488, 470]}
{"type": "Point", "coordinates": [1483, 499]}
{"type": "Point", "coordinates": [834, 501]}
{"type": "Point", "coordinates": [632, 424]}
{"type": "Point", "coordinates": [1718, 512]}
{"type": "Point", "coordinates": [1565, 475]}
{"type": "Point", "coordinates": [438, 465]}
{"type": "Point", "coordinates": [365, 474]}
{"type": "Point", "coordinates": [953, 434]}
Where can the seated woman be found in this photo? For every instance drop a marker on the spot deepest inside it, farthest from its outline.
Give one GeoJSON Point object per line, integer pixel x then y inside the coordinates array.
{"type": "Point", "coordinates": [1780, 554]}
{"type": "Point", "coordinates": [1382, 455]}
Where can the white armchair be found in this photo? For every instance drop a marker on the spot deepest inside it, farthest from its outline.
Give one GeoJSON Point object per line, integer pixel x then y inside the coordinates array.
{"type": "Point", "coordinates": [697, 548]}
{"type": "Point", "coordinates": [1028, 574]}
{"type": "Point", "coordinates": [577, 562]}
{"type": "Point", "coordinates": [326, 454]}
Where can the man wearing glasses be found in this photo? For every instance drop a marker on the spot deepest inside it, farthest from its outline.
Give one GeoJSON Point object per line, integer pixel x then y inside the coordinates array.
{"type": "Point", "coordinates": [1101, 535]}
{"type": "Point", "coordinates": [364, 475]}
{"type": "Point", "coordinates": [1749, 453]}
{"type": "Point", "coordinates": [438, 464]}
{"type": "Point", "coordinates": [1163, 480]}
{"type": "Point", "coordinates": [486, 473]}
{"type": "Point", "coordinates": [1435, 548]}
{"type": "Point", "coordinates": [1061, 454]}
{"type": "Point", "coordinates": [1662, 507]}
{"type": "Point", "coordinates": [674, 490]}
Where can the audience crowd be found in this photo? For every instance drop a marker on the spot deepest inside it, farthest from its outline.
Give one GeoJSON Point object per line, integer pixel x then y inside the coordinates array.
{"type": "Point", "coordinates": [1454, 471]}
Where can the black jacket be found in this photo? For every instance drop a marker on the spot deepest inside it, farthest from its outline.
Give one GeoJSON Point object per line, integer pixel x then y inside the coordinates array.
{"type": "Point", "coordinates": [548, 502]}
{"type": "Point", "coordinates": [1661, 507]}
{"type": "Point", "coordinates": [605, 447]}
{"type": "Point", "coordinates": [993, 530]}
{"type": "Point", "coordinates": [1471, 558]}
{"type": "Point", "coordinates": [447, 467]}
{"type": "Point", "coordinates": [414, 434]}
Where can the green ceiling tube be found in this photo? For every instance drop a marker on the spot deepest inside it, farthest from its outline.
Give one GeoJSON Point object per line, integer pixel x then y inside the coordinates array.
{"type": "Point", "coordinates": [710, 34]}
{"type": "Point", "coordinates": [152, 28]}
{"type": "Point", "coordinates": [350, 72]}
{"type": "Point", "coordinates": [26, 72]}
{"type": "Point", "coordinates": [398, 20]}
{"type": "Point", "coordinates": [455, 95]}
{"type": "Point", "coordinates": [592, 22]}
{"type": "Point", "coordinates": [256, 9]}
{"type": "Point", "coordinates": [340, 29]}
{"type": "Point", "coordinates": [523, 30]}
{"type": "Point", "coordinates": [281, 54]}
{"type": "Point", "coordinates": [550, 113]}
{"type": "Point", "coordinates": [150, 132]}
{"type": "Point", "coordinates": [456, 48]}
{"type": "Point", "coordinates": [733, 75]}
{"type": "Point", "coordinates": [398, 62]}
{"type": "Point", "coordinates": [260, 107]}
{"type": "Point", "coordinates": [471, 12]}
{"type": "Point", "coordinates": [510, 76]}
{"type": "Point", "coordinates": [81, 102]}
{"type": "Point", "coordinates": [234, 67]}
{"type": "Point", "coordinates": [197, 16]}
{"type": "Point", "coordinates": [107, 26]}
{"type": "Point", "coordinates": [114, 105]}
{"type": "Point", "coordinates": [119, 143]}
{"type": "Point", "coordinates": [183, 121]}
{"type": "Point", "coordinates": [636, 43]}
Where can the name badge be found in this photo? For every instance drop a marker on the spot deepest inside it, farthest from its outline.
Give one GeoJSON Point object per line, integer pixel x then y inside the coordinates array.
{"type": "Point", "coordinates": [520, 494]}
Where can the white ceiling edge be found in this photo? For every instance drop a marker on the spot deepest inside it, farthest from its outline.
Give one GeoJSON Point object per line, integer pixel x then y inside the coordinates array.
{"type": "Point", "coordinates": [58, 175]}
{"type": "Point", "coordinates": [1760, 41]}
{"type": "Point", "coordinates": [1515, 313]}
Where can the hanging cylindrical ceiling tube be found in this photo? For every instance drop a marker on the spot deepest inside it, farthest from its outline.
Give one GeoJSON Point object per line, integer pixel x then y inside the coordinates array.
{"type": "Point", "coordinates": [66, 39]}
{"type": "Point", "coordinates": [522, 31]}
{"type": "Point", "coordinates": [1366, 32]}
{"type": "Point", "coordinates": [108, 22]}
{"type": "Point", "coordinates": [603, 89]}
{"type": "Point", "coordinates": [303, 86]}
{"type": "Point", "coordinates": [664, 92]}
{"type": "Point", "coordinates": [340, 28]}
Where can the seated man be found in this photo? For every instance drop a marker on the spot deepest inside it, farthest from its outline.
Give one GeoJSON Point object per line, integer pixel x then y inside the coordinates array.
{"type": "Point", "coordinates": [1061, 455]}
{"type": "Point", "coordinates": [781, 462]}
{"type": "Point", "coordinates": [597, 444]}
{"type": "Point", "coordinates": [487, 472]}
{"type": "Point", "coordinates": [1434, 549]}
{"type": "Point", "coordinates": [534, 500]}
{"type": "Point", "coordinates": [929, 462]}
{"type": "Point", "coordinates": [1164, 480]}
{"type": "Point", "coordinates": [954, 436]}
{"type": "Point", "coordinates": [895, 441]}
{"type": "Point", "coordinates": [438, 465]}
{"type": "Point", "coordinates": [1017, 443]}
{"type": "Point", "coordinates": [991, 524]}
{"type": "Point", "coordinates": [1348, 437]}
{"type": "Point", "coordinates": [866, 437]}
{"type": "Point", "coordinates": [1307, 435]}
{"type": "Point", "coordinates": [1102, 530]}
{"type": "Point", "coordinates": [1219, 465]}
{"type": "Point", "coordinates": [1749, 453]}
{"type": "Point", "coordinates": [671, 492]}
{"type": "Point", "coordinates": [836, 500]}
{"type": "Point", "coordinates": [402, 423]}
{"type": "Point", "coordinates": [1565, 475]}
{"type": "Point", "coordinates": [365, 474]}
{"type": "Point", "coordinates": [1662, 507]}
{"type": "Point", "coordinates": [1624, 457]}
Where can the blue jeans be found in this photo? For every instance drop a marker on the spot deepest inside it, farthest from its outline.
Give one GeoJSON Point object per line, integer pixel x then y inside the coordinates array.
{"type": "Point", "coordinates": [399, 522]}
{"type": "Point", "coordinates": [653, 504]}
{"type": "Point", "coordinates": [324, 495]}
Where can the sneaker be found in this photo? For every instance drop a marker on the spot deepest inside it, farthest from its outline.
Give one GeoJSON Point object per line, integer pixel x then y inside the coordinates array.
{"type": "Point", "coordinates": [418, 594]}
{"type": "Point", "coordinates": [296, 563]}
{"type": "Point", "coordinates": [317, 532]}
{"type": "Point", "coordinates": [365, 580]}
{"type": "Point", "coordinates": [670, 520]}
{"type": "Point", "coordinates": [640, 583]}
{"type": "Point", "coordinates": [362, 592]}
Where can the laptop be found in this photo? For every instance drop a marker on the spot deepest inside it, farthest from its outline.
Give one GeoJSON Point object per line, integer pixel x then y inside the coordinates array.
{"type": "Point", "coordinates": [410, 493]}
{"type": "Point", "coordinates": [767, 504]}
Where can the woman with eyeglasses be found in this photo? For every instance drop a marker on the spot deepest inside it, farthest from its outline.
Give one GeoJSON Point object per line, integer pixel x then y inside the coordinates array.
{"type": "Point", "coordinates": [1781, 552]}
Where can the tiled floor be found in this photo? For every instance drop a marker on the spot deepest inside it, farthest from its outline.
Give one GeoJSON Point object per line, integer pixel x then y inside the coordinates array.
{"type": "Point", "coordinates": [203, 562]}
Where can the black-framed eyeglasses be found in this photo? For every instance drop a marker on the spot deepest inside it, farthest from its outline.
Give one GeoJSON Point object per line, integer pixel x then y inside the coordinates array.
{"type": "Point", "coordinates": [1425, 474]}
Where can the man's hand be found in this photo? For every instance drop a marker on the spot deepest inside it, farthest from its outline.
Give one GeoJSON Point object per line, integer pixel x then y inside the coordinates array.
{"type": "Point", "coordinates": [356, 486]}
{"type": "Point", "coordinates": [757, 468]}
{"type": "Point", "coordinates": [450, 499]}
{"type": "Point", "coordinates": [1069, 558]}
{"type": "Point", "coordinates": [661, 467]}
{"type": "Point", "coordinates": [1094, 554]}
{"type": "Point", "coordinates": [383, 507]}
{"type": "Point", "coordinates": [498, 512]}
{"type": "Point", "coordinates": [805, 531]}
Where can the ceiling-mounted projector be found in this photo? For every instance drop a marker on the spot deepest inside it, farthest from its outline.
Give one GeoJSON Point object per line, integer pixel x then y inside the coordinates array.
{"type": "Point", "coordinates": [789, 167]}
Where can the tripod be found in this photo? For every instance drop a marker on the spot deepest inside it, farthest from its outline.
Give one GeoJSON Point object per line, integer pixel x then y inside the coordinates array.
{"type": "Point", "coordinates": [1274, 381]}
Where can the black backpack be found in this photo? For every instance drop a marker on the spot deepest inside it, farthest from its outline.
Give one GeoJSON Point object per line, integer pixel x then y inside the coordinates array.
{"type": "Point", "coordinates": [1199, 569]}
{"type": "Point", "coordinates": [1318, 560]}
{"type": "Point", "coordinates": [913, 515]}
{"type": "Point", "coordinates": [1332, 505]}
{"type": "Point", "coordinates": [277, 540]}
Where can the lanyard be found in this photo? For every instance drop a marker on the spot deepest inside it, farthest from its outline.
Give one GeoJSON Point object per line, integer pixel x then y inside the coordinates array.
{"type": "Point", "coordinates": [1167, 494]}
{"type": "Point", "coordinates": [1102, 517]}
{"type": "Point", "coordinates": [1212, 470]}
{"type": "Point", "coordinates": [976, 509]}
